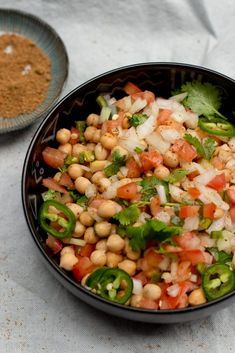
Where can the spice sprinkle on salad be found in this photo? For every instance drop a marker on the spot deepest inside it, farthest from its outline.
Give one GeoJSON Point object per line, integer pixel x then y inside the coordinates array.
{"type": "Point", "coordinates": [140, 208]}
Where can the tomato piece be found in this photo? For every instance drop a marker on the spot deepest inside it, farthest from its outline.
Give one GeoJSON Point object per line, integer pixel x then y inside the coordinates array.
{"type": "Point", "coordinates": [146, 303]}
{"type": "Point", "coordinates": [130, 88]}
{"type": "Point", "coordinates": [128, 191]}
{"type": "Point", "coordinates": [209, 210]}
{"type": "Point", "coordinates": [194, 192]}
{"type": "Point", "coordinates": [134, 170]}
{"type": "Point", "coordinates": [184, 269]}
{"type": "Point", "coordinates": [53, 157]}
{"type": "Point", "coordinates": [86, 250]}
{"type": "Point", "coordinates": [188, 211]}
{"type": "Point", "coordinates": [218, 182]}
{"type": "Point", "coordinates": [141, 277]}
{"type": "Point", "coordinates": [195, 256]}
{"type": "Point", "coordinates": [82, 268]}
{"type": "Point", "coordinates": [155, 205]}
{"type": "Point", "coordinates": [169, 302]}
{"type": "Point", "coordinates": [65, 180]}
{"type": "Point", "coordinates": [188, 240]}
{"type": "Point", "coordinates": [187, 152]}
{"type": "Point", "coordinates": [217, 163]}
{"type": "Point", "coordinates": [75, 132]}
{"type": "Point", "coordinates": [150, 160]}
{"type": "Point", "coordinates": [153, 258]}
{"type": "Point", "coordinates": [50, 183]}
{"type": "Point", "coordinates": [231, 195]}
{"type": "Point", "coordinates": [54, 244]}
{"type": "Point", "coordinates": [193, 175]}
{"type": "Point", "coordinates": [232, 213]}
{"type": "Point", "coordinates": [164, 116]}
{"type": "Point", "coordinates": [147, 95]}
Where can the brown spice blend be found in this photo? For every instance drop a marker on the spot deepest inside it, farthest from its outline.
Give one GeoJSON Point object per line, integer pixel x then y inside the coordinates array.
{"type": "Point", "coordinates": [25, 75]}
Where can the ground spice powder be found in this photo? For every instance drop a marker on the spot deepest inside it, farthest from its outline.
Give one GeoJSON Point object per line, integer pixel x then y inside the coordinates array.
{"type": "Point", "coordinates": [25, 74]}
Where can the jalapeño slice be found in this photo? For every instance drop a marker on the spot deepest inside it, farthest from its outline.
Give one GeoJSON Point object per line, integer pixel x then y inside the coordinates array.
{"type": "Point", "coordinates": [217, 281]}
{"type": "Point", "coordinates": [111, 283]}
{"type": "Point", "coordinates": [217, 127]}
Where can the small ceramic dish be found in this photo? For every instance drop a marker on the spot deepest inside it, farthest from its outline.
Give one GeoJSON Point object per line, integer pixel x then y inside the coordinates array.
{"type": "Point", "coordinates": [45, 37]}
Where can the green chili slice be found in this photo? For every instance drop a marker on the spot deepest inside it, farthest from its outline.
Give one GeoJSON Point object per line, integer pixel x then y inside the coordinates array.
{"type": "Point", "coordinates": [111, 283]}
{"type": "Point", "coordinates": [217, 281]}
{"type": "Point", "coordinates": [217, 127]}
{"type": "Point", "coordinates": [68, 223]}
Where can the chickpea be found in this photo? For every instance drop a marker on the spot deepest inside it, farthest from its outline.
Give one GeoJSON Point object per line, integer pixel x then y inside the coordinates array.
{"type": "Point", "coordinates": [76, 209]}
{"type": "Point", "coordinates": [92, 119]}
{"type": "Point", "coordinates": [86, 219]}
{"type": "Point", "coordinates": [90, 237]}
{"type": "Point", "coordinates": [90, 146]}
{"type": "Point", "coordinates": [152, 291]}
{"type": "Point", "coordinates": [75, 171]}
{"type": "Point", "coordinates": [100, 152]}
{"type": "Point", "coordinates": [103, 229]}
{"type": "Point", "coordinates": [136, 300]}
{"type": "Point", "coordinates": [108, 141]}
{"type": "Point", "coordinates": [132, 255]}
{"type": "Point", "coordinates": [66, 148]}
{"type": "Point", "coordinates": [128, 266]}
{"type": "Point", "coordinates": [77, 149]}
{"type": "Point", "coordinates": [122, 151]}
{"type": "Point", "coordinates": [98, 257]}
{"type": "Point", "coordinates": [219, 213]}
{"type": "Point", "coordinates": [81, 184]}
{"type": "Point", "coordinates": [101, 245]}
{"type": "Point", "coordinates": [108, 209]}
{"type": "Point", "coordinates": [103, 184]}
{"type": "Point", "coordinates": [161, 172]}
{"type": "Point", "coordinates": [63, 136]}
{"type": "Point", "coordinates": [89, 133]}
{"type": "Point", "coordinates": [67, 250]}
{"type": "Point", "coordinates": [197, 297]}
{"type": "Point", "coordinates": [98, 165]}
{"type": "Point", "coordinates": [67, 261]}
{"type": "Point", "coordinates": [115, 243]}
{"type": "Point", "coordinates": [113, 259]}
{"type": "Point", "coordinates": [96, 136]}
{"type": "Point", "coordinates": [170, 159]}
{"type": "Point", "coordinates": [97, 176]}
{"type": "Point", "coordinates": [79, 230]}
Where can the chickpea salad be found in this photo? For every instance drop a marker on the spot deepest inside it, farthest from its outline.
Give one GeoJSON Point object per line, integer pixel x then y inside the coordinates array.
{"type": "Point", "coordinates": [140, 208]}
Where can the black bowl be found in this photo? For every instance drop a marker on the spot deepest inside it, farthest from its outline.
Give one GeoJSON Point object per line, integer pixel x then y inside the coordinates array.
{"type": "Point", "coordinates": [160, 78]}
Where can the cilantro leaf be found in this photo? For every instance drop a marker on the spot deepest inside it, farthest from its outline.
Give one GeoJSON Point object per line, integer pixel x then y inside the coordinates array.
{"type": "Point", "coordinates": [117, 162]}
{"type": "Point", "coordinates": [205, 150]}
{"type": "Point", "coordinates": [149, 187]}
{"type": "Point", "coordinates": [128, 215]}
{"type": "Point", "coordinates": [203, 98]}
{"type": "Point", "coordinates": [137, 119]}
{"type": "Point", "coordinates": [81, 200]}
{"type": "Point", "coordinates": [176, 176]}
{"type": "Point", "coordinates": [151, 230]}
{"type": "Point", "coordinates": [86, 157]}
{"type": "Point", "coordinates": [50, 195]}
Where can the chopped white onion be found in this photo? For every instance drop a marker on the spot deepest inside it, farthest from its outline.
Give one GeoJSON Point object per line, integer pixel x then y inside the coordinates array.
{"type": "Point", "coordinates": [218, 224]}
{"type": "Point", "coordinates": [137, 286]}
{"type": "Point", "coordinates": [91, 191]}
{"type": "Point", "coordinates": [192, 120]}
{"type": "Point", "coordinates": [163, 216]}
{"type": "Point", "coordinates": [228, 224]}
{"type": "Point", "coordinates": [209, 195]}
{"type": "Point", "coordinates": [161, 193]}
{"type": "Point", "coordinates": [129, 140]}
{"type": "Point", "coordinates": [164, 264]}
{"type": "Point", "coordinates": [176, 193]}
{"type": "Point", "coordinates": [87, 169]}
{"type": "Point", "coordinates": [146, 128]}
{"type": "Point", "coordinates": [156, 141]}
{"type": "Point", "coordinates": [166, 276]}
{"type": "Point", "coordinates": [154, 108]}
{"type": "Point", "coordinates": [191, 223]}
{"type": "Point", "coordinates": [138, 105]}
{"type": "Point", "coordinates": [179, 116]}
{"type": "Point", "coordinates": [94, 215]}
{"type": "Point", "coordinates": [226, 243]}
{"type": "Point", "coordinates": [173, 290]}
{"type": "Point", "coordinates": [169, 134]}
{"type": "Point", "coordinates": [179, 97]}
{"type": "Point", "coordinates": [231, 143]}
{"type": "Point", "coordinates": [230, 164]}
{"type": "Point", "coordinates": [143, 216]}
{"type": "Point", "coordinates": [204, 178]}
{"type": "Point", "coordinates": [124, 171]}
{"type": "Point", "coordinates": [193, 278]}
{"type": "Point", "coordinates": [191, 167]}
{"type": "Point", "coordinates": [76, 241]}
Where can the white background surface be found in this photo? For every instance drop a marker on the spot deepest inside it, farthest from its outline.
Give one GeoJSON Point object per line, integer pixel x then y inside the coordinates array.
{"type": "Point", "coordinates": [36, 313]}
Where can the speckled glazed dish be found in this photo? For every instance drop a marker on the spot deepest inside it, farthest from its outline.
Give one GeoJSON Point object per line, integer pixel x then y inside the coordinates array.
{"type": "Point", "coordinates": [48, 40]}
{"type": "Point", "coordinates": [161, 78]}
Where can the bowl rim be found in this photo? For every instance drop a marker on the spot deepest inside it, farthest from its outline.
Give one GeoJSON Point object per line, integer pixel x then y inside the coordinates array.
{"type": "Point", "coordinates": [31, 119]}
{"type": "Point", "coordinates": [55, 267]}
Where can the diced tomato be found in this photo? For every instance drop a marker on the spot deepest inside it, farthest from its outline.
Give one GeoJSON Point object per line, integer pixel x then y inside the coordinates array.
{"type": "Point", "coordinates": [218, 182]}
{"type": "Point", "coordinates": [150, 160]}
{"type": "Point", "coordinates": [65, 180]}
{"type": "Point", "coordinates": [168, 302]}
{"type": "Point", "coordinates": [188, 240]}
{"type": "Point", "coordinates": [232, 213]}
{"type": "Point", "coordinates": [141, 277]}
{"type": "Point", "coordinates": [75, 132]}
{"type": "Point", "coordinates": [193, 175]}
{"type": "Point", "coordinates": [178, 144]}
{"type": "Point", "coordinates": [209, 210]}
{"type": "Point", "coordinates": [187, 152]}
{"type": "Point", "coordinates": [130, 88]}
{"type": "Point", "coordinates": [147, 303]}
{"type": "Point", "coordinates": [194, 192]}
{"type": "Point", "coordinates": [164, 116]}
{"type": "Point", "coordinates": [147, 95]}
{"type": "Point", "coordinates": [217, 163]}
{"type": "Point", "coordinates": [188, 211]}
{"type": "Point", "coordinates": [50, 183]}
{"type": "Point", "coordinates": [155, 205]}
{"type": "Point", "coordinates": [153, 258]}
{"type": "Point", "coordinates": [195, 256]}
{"type": "Point", "coordinates": [110, 126]}
{"type": "Point", "coordinates": [231, 195]}
{"type": "Point", "coordinates": [86, 250]}
{"type": "Point", "coordinates": [82, 268]}
{"type": "Point", "coordinates": [54, 244]}
{"type": "Point", "coordinates": [133, 169]}
{"type": "Point", "coordinates": [53, 157]}
{"type": "Point", "coordinates": [184, 270]}
{"type": "Point", "coordinates": [128, 191]}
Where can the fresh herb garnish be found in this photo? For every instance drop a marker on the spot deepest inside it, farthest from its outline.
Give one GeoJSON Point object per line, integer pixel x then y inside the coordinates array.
{"type": "Point", "coordinates": [128, 215]}
{"type": "Point", "coordinates": [176, 176]}
{"type": "Point", "coordinates": [86, 157]}
{"type": "Point", "coordinates": [149, 187]}
{"type": "Point", "coordinates": [205, 150]}
{"type": "Point", "coordinates": [50, 195]}
{"type": "Point", "coordinates": [138, 150]}
{"type": "Point", "coordinates": [81, 200]}
{"type": "Point", "coordinates": [117, 162]}
{"type": "Point", "coordinates": [137, 119]}
{"type": "Point", "coordinates": [81, 126]}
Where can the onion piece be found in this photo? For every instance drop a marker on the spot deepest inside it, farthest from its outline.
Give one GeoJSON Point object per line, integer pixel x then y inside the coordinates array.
{"type": "Point", "coordinates": [173, 290]}
{"type": "Point", "coordinates": [179, 97]}
{"type": "Point", "coordinates": [191, 223]}
{"type": "Point", "coordinates": [169, 134]}
{"type": "Point", "coordinates": [156, 142]}
{"type": "Point", "coordinates": [209, 195]}
{"type": "Point", "coordinates": [161, 193]}
{"type": "Point", "coordinates": [205, 177]}
{"type": "Point", "coordinates": [138, 105]}
{"type": "Point", "coordinates": [218, 224]}
{"type": "Point", "coordinates": [75, 241]}
{"type": "Point", "coordinates": [146, 128]}
{"type": "Point", "coordinates": [137, 286]}
{"type": "Point", "coordinates": [129, 140]}
{"type": "Point", "coordinates": [91, 191]}
{"type": "Point", "coordinates": [163, 216]}
{"type": "Point", "coordinates": [176, 193]}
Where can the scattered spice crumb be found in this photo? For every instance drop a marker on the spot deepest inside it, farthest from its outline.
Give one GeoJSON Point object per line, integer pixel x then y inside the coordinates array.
{"type": "Point", "coordinates": [25, 75]}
